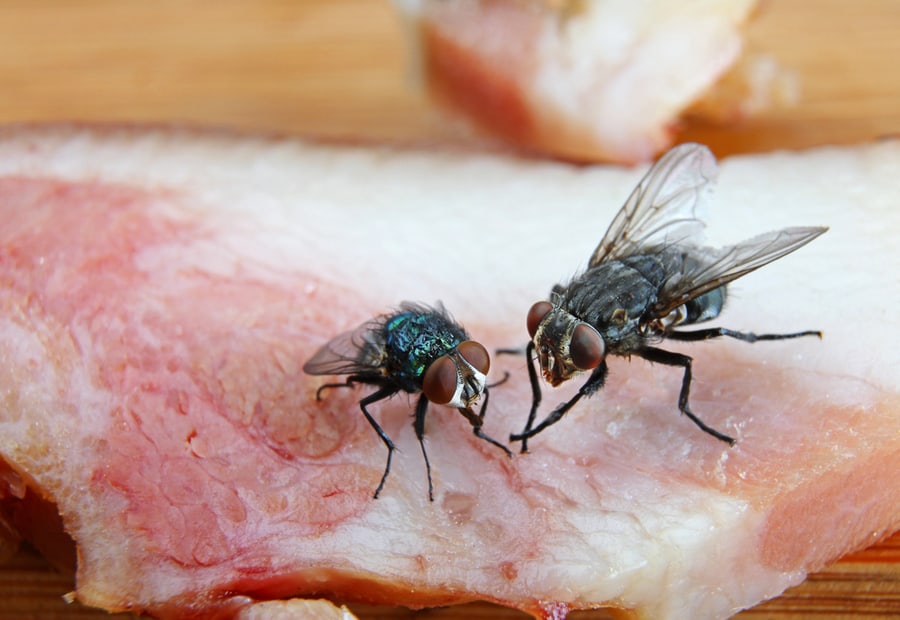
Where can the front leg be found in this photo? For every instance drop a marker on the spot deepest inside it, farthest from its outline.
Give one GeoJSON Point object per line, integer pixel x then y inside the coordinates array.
{"type": "Point", "coordinates": [535, 398]}
{"type": "Point", "coordinates": [477, 420]}
{"type": "Point", "coordinates": [594, 383]}
{"type": "Point", "coordinates": [669, 358]}
{"type": "Point", "coordinates": [528, 352]}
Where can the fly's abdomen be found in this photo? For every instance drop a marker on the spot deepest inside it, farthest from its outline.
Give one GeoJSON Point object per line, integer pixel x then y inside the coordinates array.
{"type": "Point", "coordinates": [705, 307]}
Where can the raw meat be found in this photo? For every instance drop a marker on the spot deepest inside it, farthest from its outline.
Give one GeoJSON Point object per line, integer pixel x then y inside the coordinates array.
{"type": "Point", "coordinates": [160, 291]}
{"type": "Point", "coordinates": [599, 80]}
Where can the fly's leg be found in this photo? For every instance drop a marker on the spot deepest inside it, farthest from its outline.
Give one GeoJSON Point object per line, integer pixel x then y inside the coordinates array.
{"type": "Point", "coordinates": [669, 358]}
{"type": "Point", "coordinates": [385, 392]}
{"type": "Point", "coordinates": [351, 381]}
{"type": "Point", "coordinates": [675, 359]}
{"type": "Point", "coordinates": [510, 351]}
{"type": "Point", "coordinates": [535, 399]}
{"type": "Point", "coordinates": [594, 383]}
{"type": "Point", "coordinates": [477, 420]}
{"type": "Point", "coordinates": [329, 386]}
{"type": "Point", "coordinates": [717, 332]}
{"type": "Point", "coordinates": [500, 381]}
{"type": "Point", "coordinates": [535, 392]}
{"type": "Point", "coordinates": [419, 426]}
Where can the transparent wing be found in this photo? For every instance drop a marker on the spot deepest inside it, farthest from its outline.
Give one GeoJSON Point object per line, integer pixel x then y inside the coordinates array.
{"type": "Point", "coordinates": [706, 269]}
{"type": "Point", "coordinates": [665, 208]}
{"type": "Point", "coordinates": [356, 351]}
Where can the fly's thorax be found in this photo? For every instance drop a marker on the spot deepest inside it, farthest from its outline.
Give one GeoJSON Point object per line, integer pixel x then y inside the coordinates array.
{"type": "Point", "coordinates": [614, 297]}
{"type": "Point", "coordinates": [565, 345]}
{"type": "Point", "coordinates": [458, 379]}
{"type": "Point", "coordinates": [414, 341]}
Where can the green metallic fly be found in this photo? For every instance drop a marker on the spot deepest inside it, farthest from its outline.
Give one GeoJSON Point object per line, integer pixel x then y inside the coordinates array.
{"type": "Point", "coordinates": [418, 350]}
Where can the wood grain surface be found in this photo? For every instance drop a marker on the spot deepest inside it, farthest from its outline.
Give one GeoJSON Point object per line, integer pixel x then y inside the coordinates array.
{"type": "Point", "coordinates": [337, 68]}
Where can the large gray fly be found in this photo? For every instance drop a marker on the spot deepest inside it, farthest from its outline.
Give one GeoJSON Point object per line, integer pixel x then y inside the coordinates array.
{"type": "Point", "coordinates": [648, 276]}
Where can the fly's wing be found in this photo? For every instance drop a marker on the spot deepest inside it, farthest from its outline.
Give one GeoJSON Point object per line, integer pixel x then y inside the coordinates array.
{"type": "Point", "coordinates": [706, 269]}
{"type": "Point", "coordinates": [358, 351]}
{"type": "Point", "coordinates": [666, 206]}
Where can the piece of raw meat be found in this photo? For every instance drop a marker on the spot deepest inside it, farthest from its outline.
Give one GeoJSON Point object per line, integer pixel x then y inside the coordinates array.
{"type": "Point", "coordinates": [161, 290]}
{"type": "Point", "coordinates": [586, 81]}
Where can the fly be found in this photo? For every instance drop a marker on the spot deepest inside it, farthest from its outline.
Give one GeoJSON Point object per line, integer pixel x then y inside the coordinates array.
{"type": "Point", "coordinates": [648, 276]}
{"type": "Point", "coordinates": [418, 350]}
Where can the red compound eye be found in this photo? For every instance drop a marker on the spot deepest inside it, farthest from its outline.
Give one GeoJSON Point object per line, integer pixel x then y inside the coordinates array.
{"type": "Point", "coordinates": [474, 353]}
{"type": "Point", "coordinates": [439, 382]}
{"type": "Point", "coordinates": [537, 313]}
{"type": "Point", "coordinates": [587, 347]}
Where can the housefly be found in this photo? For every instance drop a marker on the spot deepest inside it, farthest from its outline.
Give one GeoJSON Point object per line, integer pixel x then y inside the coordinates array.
{"type": "Point", "coordinates": [418, 350]}
{"type": "Point", "coordinates": [648, 277]}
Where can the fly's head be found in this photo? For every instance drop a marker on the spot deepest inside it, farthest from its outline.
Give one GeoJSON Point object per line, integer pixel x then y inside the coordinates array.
{"type": "Point", "coordinates": [565, 345]}
{"type": "Point", "coordinates": [458, 378]}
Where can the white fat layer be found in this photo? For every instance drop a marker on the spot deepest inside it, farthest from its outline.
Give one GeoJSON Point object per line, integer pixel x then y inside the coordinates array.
{"type": "Point", "coordinates": [679, 547]}
{"type": "Point", "coordinates": [489, 236]}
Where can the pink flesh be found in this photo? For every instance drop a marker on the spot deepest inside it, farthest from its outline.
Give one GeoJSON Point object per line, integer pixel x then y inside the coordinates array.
{"type": "Point", "coordinates": [152, 332]}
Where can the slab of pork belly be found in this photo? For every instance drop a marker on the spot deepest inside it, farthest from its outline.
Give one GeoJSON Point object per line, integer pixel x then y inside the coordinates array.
{"type": "Point", "coordinates": [160, 292]}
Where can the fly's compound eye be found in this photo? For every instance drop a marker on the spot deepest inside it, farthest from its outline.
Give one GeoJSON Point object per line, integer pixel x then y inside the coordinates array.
{"type": "Point", "coordinates": [474, 353]}
{"type": "Point", "coordinates": [587, 347]}
{"type": "Point", "coordinates": [537, 313]}
{"type": "Point", "coordinates": [440, 381]}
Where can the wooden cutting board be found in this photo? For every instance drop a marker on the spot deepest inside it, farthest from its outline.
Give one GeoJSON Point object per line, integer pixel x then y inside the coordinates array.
{"type": "Point", "coordinates": [337, 68]}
